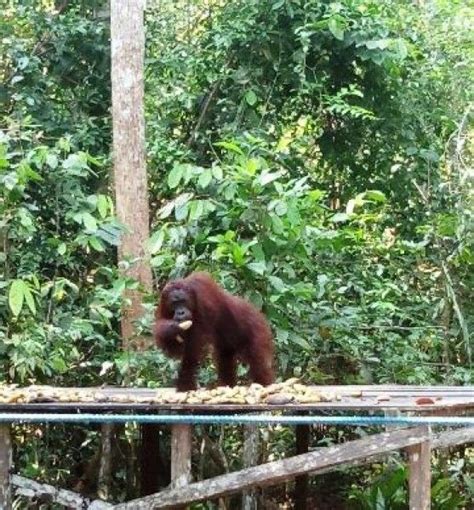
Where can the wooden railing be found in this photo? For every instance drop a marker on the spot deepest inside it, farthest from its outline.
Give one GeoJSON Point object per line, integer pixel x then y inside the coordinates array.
{"type": "Point", "coordinates": [416, 441]}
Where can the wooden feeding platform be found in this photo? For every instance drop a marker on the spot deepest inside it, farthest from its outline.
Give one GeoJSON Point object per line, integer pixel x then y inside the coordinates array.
{"type": "Point", "coordinates": [39, 403]}
{"type": "Point", "coordinates": [288, 396]}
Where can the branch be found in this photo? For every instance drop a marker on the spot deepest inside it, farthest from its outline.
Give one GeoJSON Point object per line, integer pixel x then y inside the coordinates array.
{"type": "Point", "coordinates": [203, 113]}
{"type": "Point", "coordinates": [457, 311]}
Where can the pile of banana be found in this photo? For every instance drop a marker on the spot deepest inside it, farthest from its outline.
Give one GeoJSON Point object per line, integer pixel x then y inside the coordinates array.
{"type": "Point", "coordinates": [290, 391]}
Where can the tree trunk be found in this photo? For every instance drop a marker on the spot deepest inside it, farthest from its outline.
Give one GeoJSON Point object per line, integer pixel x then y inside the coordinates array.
{"type": "Point", "coordinates": [130, 178]}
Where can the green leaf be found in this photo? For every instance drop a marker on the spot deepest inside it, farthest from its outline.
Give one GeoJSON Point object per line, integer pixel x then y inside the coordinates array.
{"type": "Point", "coordinates": [75, 162]}
{"type": "Point", "coordinates": [277, 224]}
{"type": "Point", "coordinates": [110, 233]}
{"type": "Point", "coordinates": [376, 196]}
{"type": "Point", "coordinates": [16, 296]}
{"type": "Point", "coordinates": [268, 177]}
{"type": "Point", "coordinates": [251, 166]}
{"type": "Point", "coordinates": [102, 205]}
{"type": "Point", "coordinates": [340, 217]}
{"type": "Point", "coordinates": [217, 173]}
{"type": "Point", "coordinates": [196, 210]}
{"type": "Point", "coordinates": [281, 208]}
{"type": "Point", "coordinates": [64, 144]}
{"type": "Point", "coordinates": [189, 171]}
{"type": "Point", "coordinates": [182, 199]}
{"type": "Point", "coordinates": [293, 214]}
{"type": "Point", "coordinates": [175, 176]}
{"type": "Point", "coordinates": [380, 500]}
{"type": "Point", "coordinates": [336, 27]}
{"type": "Point", "coordinates": [29, 299]}
{"type": "Point", "coordinates": [302, 342]}
{"type": "Point", "coordinates": [208, 206]}
{"type": "Point", "coordinates": [251, 97]}
{"type": "Point", "coordinates": [52, 161]}
{"type": "Point", "coordinates": [92, 201]}
{"type": "Point", "coordinates": [257, 267]}
{"type": "Point", "coordinates": [238, 254]}
{"type": "Point", "coordinates": [62, 249]}
{"type": "Point", "coordinates": [322, 280]}
{"type": "Point", "coordinates": [401, 49]}
{"type": "Point", "coordinates": [3, 156]}
{"type": "Point", "coordinates": [156, 241]}
{"type": "Point", "coordinates": [28, 173]}
{"type": "Point", "coordinates": [380, 44]}
{"type": "Point", "coordinates": [205, 178]}
{"type": "Point", "coordinates": [89, 221]}
{"type": "Point", "coordinates": [96, 243]}
{"type": "Point", "coordinates": [59, 365]}
{"type": "Point", "coordinates": [429, 155]}
{"type": "Point", "coordinates": [181, 211]}
{"type": "Point", "coordinates": [256, 299]}
{"type": "Point", "coordinates": [166, 210]}
{"type": "Point", "coordinates": [230, 146]}
{"type": "Point", "coordinates": [278, 4]}
{"type": "Point", "coordinates": [277, 283]}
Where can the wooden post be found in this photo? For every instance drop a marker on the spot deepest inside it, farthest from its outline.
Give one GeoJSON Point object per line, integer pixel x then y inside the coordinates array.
{"type": "Point", "coordinates": [181, 442]}
{"type": "Point", "coordinates": [181, 447]}
{"type": "Point", "coordinates": [301, 482]}
{"type": "Point", "coordinates": [5, 467]}
{"type": "Point", "coordinates": [419, 483]}
{"type": "Point", "coordinates": [250, 458]}
{"type": "Point", "coordinates": [105, 463]}
{"type": "Point", "coordinates": [130, 178]}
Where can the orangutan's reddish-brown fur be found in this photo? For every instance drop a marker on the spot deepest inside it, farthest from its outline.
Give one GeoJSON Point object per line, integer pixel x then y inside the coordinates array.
{"type": "Point", "coordinates": [235, 329]}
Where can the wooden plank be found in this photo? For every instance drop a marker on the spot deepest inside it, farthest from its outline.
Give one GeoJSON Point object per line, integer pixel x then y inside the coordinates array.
{"type": "Point", "coordinates": [419, 481]}
{"type": "Point", "coordinates": [181, 442]}
{"type": "Point", "coordinates": [442, 440]}
{"type": "Point", "coordinates": [5, 467]}
{"type": "Point", "coordinates": [275, 472]}
{"type": "Point", "coordinates": [455, 437]}
{"type": "Point", "coordinates": [130, 178]}
{"type": "Point", "coordinates": [402, 390]}
{"type": "Point", "coordinates": [406, 389]}
{"type": "Point", "coordinates": [454, 405]}
{"type": "Point", "coordinates": [69, 499]}
{"type": "Point", "coordinates": [301, 483]}
{"type": "Point", "coordinates": [456, 400]}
